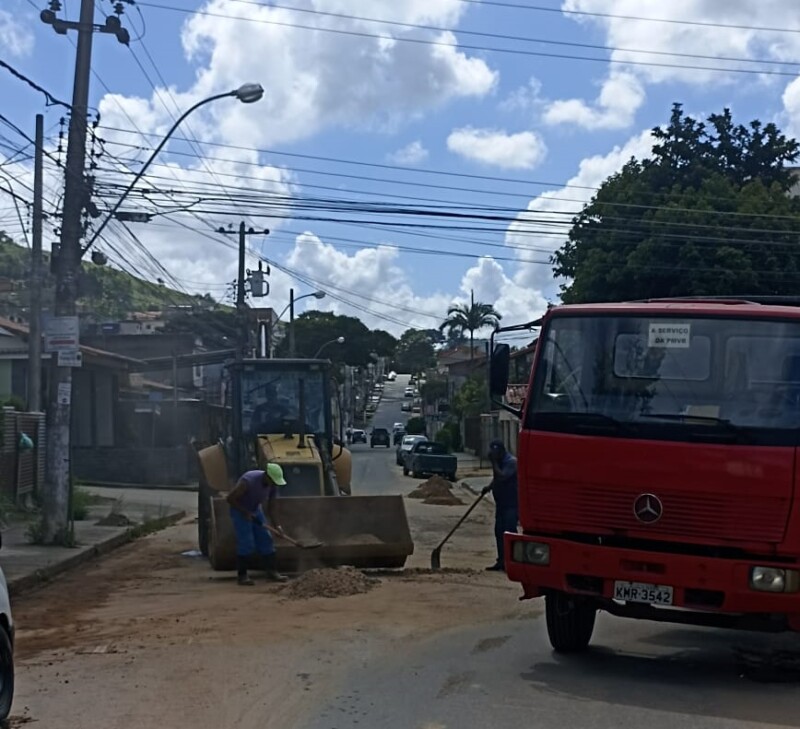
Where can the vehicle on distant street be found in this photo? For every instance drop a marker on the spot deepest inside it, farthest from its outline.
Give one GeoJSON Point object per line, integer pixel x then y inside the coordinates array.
{"type": "Point", "coordinates": [359, 436]}
{"type": "Point", "coordinates": [398, 436]}
{"type": "Point", "coordinates": [416, 411]}
{"type": "Point", "coordinates": [380, 437]}
{"type": "Point", "coordinates": [409, 392]}
{"type": "Point", "coordinates": [392, 376]}
{"type": "Point", "coordinates": [406, 407]}
{"type": "Point", "coordinates": [426, 458]}
{"type": "Point", "coordinates": [406, 445]}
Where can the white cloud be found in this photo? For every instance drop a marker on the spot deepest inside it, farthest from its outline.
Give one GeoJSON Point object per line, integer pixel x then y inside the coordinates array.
{"type": "Point", "coordinates": [620, 97]}
{"type": "Point", "coordinates": [791, 108]}
{"type": "Point", "coordinates": [623, 89]}
{"type": "Point", "coordinates": [315, 79]}
{"type": "Point", "coordinates": [522, 151]}
{"type": "Point", "coordinates": [15, 38]}
{"type": "Point", "coordinates": [524, 98]}
{"type": "Point", "coordinates": [553, 210]}
{"type": "Point", "coordinates": [412, 154]}
{"type": "Point", "coordinates": [377, 275]}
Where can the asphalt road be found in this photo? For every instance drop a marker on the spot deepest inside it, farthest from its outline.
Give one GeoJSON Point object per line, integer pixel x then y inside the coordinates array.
{"type": "Point", "coordinates": [374, 469]}
{"type": "Point", "coordinates": [504, 673]}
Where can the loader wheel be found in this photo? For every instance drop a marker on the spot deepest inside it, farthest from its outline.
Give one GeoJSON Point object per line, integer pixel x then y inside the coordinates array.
{"type": "Point", "coordinates": [570, 622]}
{"type": "Point", "coordinates": [203, 518]}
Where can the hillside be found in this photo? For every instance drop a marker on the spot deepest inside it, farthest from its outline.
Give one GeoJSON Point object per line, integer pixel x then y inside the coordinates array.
{"type": "Point", "coordinates": [106, 293]}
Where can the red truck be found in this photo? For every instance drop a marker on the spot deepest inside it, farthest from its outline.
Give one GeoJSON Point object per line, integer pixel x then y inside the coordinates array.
{"type": "Point", "coordinates": [658, 465]}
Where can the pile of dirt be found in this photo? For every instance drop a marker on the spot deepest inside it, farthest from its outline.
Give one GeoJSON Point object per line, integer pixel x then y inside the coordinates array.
{"type": "Point", "coordinates": [436, 490]}
{"type": "Point", "coordinates": [115, 520]}
{"type": "Point", "coordinates": [334, 582]}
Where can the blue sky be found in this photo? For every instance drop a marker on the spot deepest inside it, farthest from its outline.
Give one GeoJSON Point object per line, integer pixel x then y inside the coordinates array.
{"type": "Point", "coordinates": [439, 108]}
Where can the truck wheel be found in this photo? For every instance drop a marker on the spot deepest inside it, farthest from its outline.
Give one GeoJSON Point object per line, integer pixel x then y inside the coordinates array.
{"type": "Point", "coordinates": [452, 477]}
{"type": "Point", "coordinates": [416, 474]}
{"type": "Point", "coordinates": [570, 622]}
{"type": "Point", "coordinates": [405, 471]}
{"type": "Point", "coordinates": [6, 675]}
{"type": "Point", "coordinates": [203, 518]}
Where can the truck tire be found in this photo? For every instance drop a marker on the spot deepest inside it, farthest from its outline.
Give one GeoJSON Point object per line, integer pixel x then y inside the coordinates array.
{"type": "Point", "coordinates": [416, 474]}
{"type": "Point", "coordinates": [570, 622]}
{"type": "Point", "coordinates": [203, 517]}
{"type": "Point", "coordinates": [6, 675]}
{"type": "Point", "coordinates": [405, 471]}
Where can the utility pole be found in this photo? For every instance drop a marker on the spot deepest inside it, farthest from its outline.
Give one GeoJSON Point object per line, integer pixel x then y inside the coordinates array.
{"type": "Point", "coordinates": [57, 488]}
{"type": "Point", "coordinates": [55, 506]}
{"type": "Point", "coordinates": [35, 316]}
{"type": "Point", "coordinates": [291, 324]}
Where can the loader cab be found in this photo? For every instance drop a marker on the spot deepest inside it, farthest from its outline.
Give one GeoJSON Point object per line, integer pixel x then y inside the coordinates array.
{"type": "Point", "coordinates": [287, 402]}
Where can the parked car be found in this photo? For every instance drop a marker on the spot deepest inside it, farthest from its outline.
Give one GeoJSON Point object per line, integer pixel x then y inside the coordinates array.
{"type": "Point", "coordinates": [398, 426]}
{"type": "Point", "coordinates": [398, 436]}
{"type": "Point", "coordinates": [426, 458]}
{"type": "Point", "coordinates": [409, 392]}
{"type": "Point", "coordinates": [406, 444]}
{"type": "Point", "coordinates": [380, 436]}
{"type": "Point", "coordinates": [359, 436]}
{"type": "Point", "coordinates": [6, 651]}
{"type": "Point", "coordinates": [416, 411]}
{"type": "Point", "coordinates": [406, 407]}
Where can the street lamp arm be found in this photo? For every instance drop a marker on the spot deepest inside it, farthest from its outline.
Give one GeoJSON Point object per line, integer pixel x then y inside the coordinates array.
{"type": "Point", "coordinates": [338, 340]}
{"type": "Point", "coordinates": [147, 164]}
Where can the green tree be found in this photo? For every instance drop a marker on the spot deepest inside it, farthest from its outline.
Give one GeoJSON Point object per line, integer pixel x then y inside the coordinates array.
{"type": "Point", "coordinates": [470, 399]}
{"type": "Point", "coordinates": [415, 426]}
{"type": "Point", "coordinates": [414, 352]}
{"type": "Point", "coordinates": [433, 390]}
{"type": "Point", "coordinates": [706, 214]}
{"type": "Point", "coordinates": [463, 318]}
{"type": "Point", "coordinates": [312, 329]}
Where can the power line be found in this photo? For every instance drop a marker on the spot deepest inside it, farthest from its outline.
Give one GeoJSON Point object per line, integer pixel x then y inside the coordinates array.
{"type": "Point", "coordinates": [462, 46]}
{"type": "Point", "coordinates": [51, 100]}
{"type": "Point", "coordinates": [615, 16]}
{"type": "Point", "coordinates": [504, 36]}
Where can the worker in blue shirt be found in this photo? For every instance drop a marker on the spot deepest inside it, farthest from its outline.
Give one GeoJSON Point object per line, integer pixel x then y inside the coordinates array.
{"type": "Point", "coordinates": [504, 490]}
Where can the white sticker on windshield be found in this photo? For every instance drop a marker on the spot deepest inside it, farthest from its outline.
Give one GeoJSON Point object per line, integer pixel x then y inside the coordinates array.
{"type": "Point", "coordinates": [669, 334]}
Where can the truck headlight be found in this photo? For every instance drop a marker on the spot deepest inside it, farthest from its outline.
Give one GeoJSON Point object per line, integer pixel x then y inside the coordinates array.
{"type": "Point", "coordinates": [531, 553]}
{"type": "Point", "coordinates": [774, 579]}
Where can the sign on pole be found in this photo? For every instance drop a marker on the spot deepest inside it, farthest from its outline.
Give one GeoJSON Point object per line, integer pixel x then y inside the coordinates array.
{"type": "Point", "coordinates": [61, 334]}
{"type": "Point", "coordinates": [70, 359]}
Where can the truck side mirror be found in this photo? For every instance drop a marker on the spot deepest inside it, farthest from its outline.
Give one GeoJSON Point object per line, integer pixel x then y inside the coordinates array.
{"type": "Point", "coordinates": [499, 369]}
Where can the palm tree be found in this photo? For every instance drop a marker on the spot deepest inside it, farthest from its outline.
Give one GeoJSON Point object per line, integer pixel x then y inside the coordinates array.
{"type": "Point", "coordinates": [470, 318]}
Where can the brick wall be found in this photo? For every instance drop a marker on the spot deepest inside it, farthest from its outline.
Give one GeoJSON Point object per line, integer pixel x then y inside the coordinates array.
{"type": "Point", "coordinates": [167, 466]}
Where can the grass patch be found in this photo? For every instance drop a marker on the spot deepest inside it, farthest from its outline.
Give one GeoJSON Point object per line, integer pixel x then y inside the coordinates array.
{"type": "Point", "coordinates": [82, 499]}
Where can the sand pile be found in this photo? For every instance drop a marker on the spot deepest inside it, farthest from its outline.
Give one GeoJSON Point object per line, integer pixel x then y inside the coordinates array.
{"type": "Point", "coordinates": [336, 582]}
{"type": "Point", "coordinates": [115, 520]}
{"type": "Point", "coordinates": [436, 490]}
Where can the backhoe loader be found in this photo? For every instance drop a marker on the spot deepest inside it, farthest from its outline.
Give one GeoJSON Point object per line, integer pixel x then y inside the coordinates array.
{"type": "Point", "coordinates": [282, 411]}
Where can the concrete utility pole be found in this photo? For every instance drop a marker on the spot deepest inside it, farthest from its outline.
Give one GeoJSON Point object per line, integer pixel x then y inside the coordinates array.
{"type": "Point", "coordinates": [55, 501]}
{"type": "Point", "coordinates": [35, 318]}
{"type": "Point", "coordinates": [292, 349]}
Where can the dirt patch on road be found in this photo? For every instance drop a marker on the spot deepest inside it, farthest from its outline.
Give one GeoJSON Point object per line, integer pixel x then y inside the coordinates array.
{"type": "Point", "coordinates": [338, 582]}
{"type": "Point", "coordinates": [436, 490]}
{"type": "Point", "coordinates": [115, 520]}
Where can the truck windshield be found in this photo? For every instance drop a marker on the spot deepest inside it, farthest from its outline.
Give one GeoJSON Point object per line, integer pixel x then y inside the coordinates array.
{"type": "Point", "coordinates": [677, 378]}
{"type": "Point", "coordinates": [271, 399]}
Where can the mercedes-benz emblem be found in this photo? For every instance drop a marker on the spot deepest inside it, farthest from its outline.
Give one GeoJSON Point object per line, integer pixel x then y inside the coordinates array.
{"type": "Point", "coordinates": [648, 508]}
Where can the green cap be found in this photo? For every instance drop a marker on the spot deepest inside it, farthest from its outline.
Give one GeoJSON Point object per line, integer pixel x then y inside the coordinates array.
{"type": "Point", "coordinates": [275, 472]}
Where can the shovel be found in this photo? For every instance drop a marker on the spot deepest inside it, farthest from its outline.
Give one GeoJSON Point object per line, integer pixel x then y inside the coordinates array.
{"type": "Point", "coordinates": [311, 545]}
{"type": "Point", "coordinates": [436, 554]}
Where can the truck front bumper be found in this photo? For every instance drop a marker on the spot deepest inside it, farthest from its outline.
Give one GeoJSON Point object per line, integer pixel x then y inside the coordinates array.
{"type": "Point", "coordinates": [698, 583]}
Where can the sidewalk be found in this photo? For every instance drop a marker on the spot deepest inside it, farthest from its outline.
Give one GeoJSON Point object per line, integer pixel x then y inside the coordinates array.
{"type": "Point", "coordinates": [25, 565]}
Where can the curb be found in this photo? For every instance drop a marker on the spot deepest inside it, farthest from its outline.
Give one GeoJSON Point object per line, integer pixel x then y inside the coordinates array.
{"type": "Point", "coordinates": [139, 486]}
{"type": "Point", "coordinates": [25, 583]}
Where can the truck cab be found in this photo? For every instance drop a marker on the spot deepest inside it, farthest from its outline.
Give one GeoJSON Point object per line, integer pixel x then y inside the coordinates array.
{"type": "Point", "coordinates": [657, 474]}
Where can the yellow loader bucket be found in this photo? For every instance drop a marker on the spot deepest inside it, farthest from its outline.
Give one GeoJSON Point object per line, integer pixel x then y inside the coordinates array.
{"type": "Point", "coordinates": [362, 531]}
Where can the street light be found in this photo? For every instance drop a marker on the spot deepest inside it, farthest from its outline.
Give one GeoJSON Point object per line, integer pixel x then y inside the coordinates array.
{"type": "Point", "coordinates": [290, 306]}
{"type": "Point", "coordinates": [246, 93]}
{"type": "Point", "coordinates": [338, 340]}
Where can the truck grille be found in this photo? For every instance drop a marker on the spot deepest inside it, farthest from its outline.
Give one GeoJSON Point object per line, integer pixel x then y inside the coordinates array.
{"type": "Point", "coordinates": [700, 516]}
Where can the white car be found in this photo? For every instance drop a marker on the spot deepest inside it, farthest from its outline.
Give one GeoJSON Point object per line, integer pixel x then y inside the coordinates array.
{"type": "Point", "coordinates": [409, 392]}
{"type": "Point", "coordinates": [398, 426]}
{"type": "Point", "coordinates": [406, 445]}
{"type": "Point", "coordinates": [6, 651]}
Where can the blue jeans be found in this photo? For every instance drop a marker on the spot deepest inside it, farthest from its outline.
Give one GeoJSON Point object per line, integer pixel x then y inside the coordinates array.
{"type": "Point", "coordinates": [505, 520]}
{"type": "Point", "coordinates": [251, 536]}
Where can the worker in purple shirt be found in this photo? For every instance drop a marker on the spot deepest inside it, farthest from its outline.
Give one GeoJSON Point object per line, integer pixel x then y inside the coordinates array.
{"type": "Point", "coordinates": [504, 490]}
{"type": "Point", "coordinates": [249, 521]}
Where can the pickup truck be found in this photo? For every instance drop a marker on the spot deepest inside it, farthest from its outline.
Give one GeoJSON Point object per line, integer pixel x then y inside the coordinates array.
{"type": "Point", "coordinates": [426, 457]}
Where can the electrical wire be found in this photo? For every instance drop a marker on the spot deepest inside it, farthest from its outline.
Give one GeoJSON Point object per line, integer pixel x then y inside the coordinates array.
{"type": "Point", "coordinates": [467, 47]}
